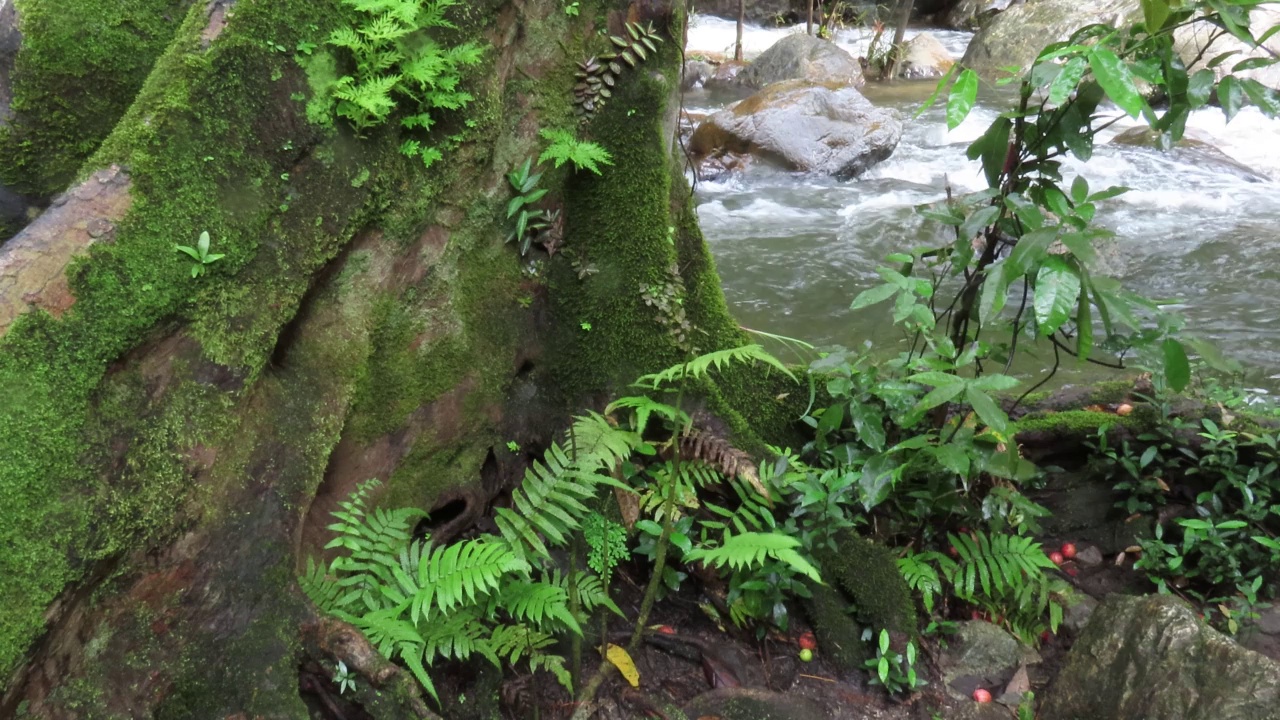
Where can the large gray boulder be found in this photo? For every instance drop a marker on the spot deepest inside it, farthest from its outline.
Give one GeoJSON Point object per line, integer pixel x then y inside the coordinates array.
{"type": "Point", "coordinates": [811, 127]}
{"type": "Point", "coordinates": [1152, 658]}
{"type": "Point", "coordinates": [1014, 37]}
{"type": "Point", "coordinates": [803, 57]}
{"type": "Point", "coordinates": [756, 11]}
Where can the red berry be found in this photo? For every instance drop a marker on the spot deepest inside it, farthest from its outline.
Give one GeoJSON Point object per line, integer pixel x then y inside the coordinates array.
{"type": "Point", "coordinates": [1068, 550]}
{"type": "Point", "coordinates": [666, 630]}
{"type": "Point", "coordinates": [807, 641]}
{"type": "Point", "coordinates": [976, 615]}
{"type": "Point", "coordinates": [1073, 571]}
{"type": "Point", "coordinates": [964, 530]}
{"type": "Point", "coordinates": [1046, 636]}
{"type": "Point", "coordinates": [953, 552]}
{"type": "Point", "coordinates": [981, 695]}
{"type": "Point", "coordinates": [1057, 558]}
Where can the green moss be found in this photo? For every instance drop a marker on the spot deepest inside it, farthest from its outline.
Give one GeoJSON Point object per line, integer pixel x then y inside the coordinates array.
{"type": "Point", "coordinates": [839, 635]}
{"type": "Point", "coordinates": [1078, 423]}
{"type": "Point", "coordinates": [81, 63]}
{"type": "Point", "coordinates": [867, 573]}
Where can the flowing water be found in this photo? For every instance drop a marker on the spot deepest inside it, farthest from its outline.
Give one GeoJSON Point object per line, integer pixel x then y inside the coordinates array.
{"type": "Point", "coordinates": [793, 250]}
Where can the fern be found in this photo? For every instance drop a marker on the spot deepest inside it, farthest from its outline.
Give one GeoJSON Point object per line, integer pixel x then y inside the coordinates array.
{"type": "Point", "coordinates": [456, 575]}
{"type": "Point", "coordinates": [700, 367]}
{"type": "Point", "coordinates": [397, 63]}
{"type": "Point", "coordinates": [591, 592]}
{"type": "Point", "coordinates": [545, 605]}
{"type": "Point", "coordinates": [996, 563]}
{"type": "Point", "coordinates": [921, 576]}
{"type": "Point", "coordinates": [751, 549]}
{"type": "Point", "coordinates": [565, 147]}
{"type": "Point", "coordinates": [600, 445]}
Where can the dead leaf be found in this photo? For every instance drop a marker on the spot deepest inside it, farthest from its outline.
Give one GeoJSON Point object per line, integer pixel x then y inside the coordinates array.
{"type": "Point", "coordinates": [1162, 484]}
{"type": "Point", "coordinates": [1133, 549]}
{"type": "Point", "coordinates": [1120, 559]}
{"type": "Point", "coordinates": [622, 660]}
{"type": "Point", "coordinates": [1020, 684]}
{"type": "Point", "coordinates": [628, 507]}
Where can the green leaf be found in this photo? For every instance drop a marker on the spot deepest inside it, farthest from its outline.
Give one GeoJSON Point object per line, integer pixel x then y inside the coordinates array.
{"type": "Point", "coordinates": [1067, 80]}
{"type": "Point", "coordinates": [203, 243]}
{"type": "Point", "coordinates": [963, 95]}
{"type": "Point", "coordinates": [1177, 370]}
{"type": "Point", "coordinates": [1116, 80]}
{"type": "Point", "coordinates": [987, 410]}
{"type": "Point", "coordinates": [953, 458]}
{"type": "Point", "coordinates": [1154, 13]}
{"type": "Point", "coordinates": [874, 295]}
{"type": "Point", "coordinates": [1267, 100]}
{"type": "Point", "coordinates": [1057, 289]}
{"type": "Point", "coordinates": [979, 220]}
{"type": "Point", "coordinates": [1084, 327]}
{"type": "Point", "coordinates": [937, 90]}
{"type": "Point", "coordinates": [1230, 96]}
{"type": "Point", "coordinates": [995, 292]}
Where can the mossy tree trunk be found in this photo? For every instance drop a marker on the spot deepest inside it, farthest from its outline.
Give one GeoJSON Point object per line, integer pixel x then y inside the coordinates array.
{"type": "Point", "coordinates": [170, 445]}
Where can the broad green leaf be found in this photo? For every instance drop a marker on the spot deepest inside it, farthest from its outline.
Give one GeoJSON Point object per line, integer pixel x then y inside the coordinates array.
{"type": "Point", "coordinates": [876, 480]}
{"type": "Point", "coordinates": [1084, 327]}
{"type": "Point", "coordinates": [995, 292]}
{"type": "Point", "coordinates": [938, 396]}
{"type": "Point", "coordinates": [874, 295]}
{"type": "Point", "coordinates": [1154, 13]}
{"type": "Point", "coordinates": [963, 95]}
{"type": "Point", "coordinates": [990, 413]}
{"type": "Point", "coordinates": [1177, 370]}
{"type": "Point", "coordinates": [979, 220]}
{"type": "Point", "coordinates": [953, 458]}
{"type": "Point", "coordinates": [203, 243]}
{"type": "Point", "coordinates": [994, 383]}
{"type": "Point", "coordinates": [993, 149]}
{"type": "Point", "coordinates": [1079, 189]}
{"type": "Point", "coordinates": [1057, 289]}
{"type": "Point", "coordinates": [1230, 96]}
{"type": "Point", "coordinates": [937, 379]}
{"type": "Point", "coordinates": [1067, 80]}
{"type": "Point", "coordinates": [868, 421]}
{"type": "Point", "coordinates": [1116, 80]}
{"type": "Point", "coordinates": [1267, 100]}
{"type": "Point", "coordinates": [1030, 250]}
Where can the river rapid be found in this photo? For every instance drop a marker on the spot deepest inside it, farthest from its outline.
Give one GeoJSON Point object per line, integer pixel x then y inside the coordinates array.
{"type": "Point", "coordinates": [793, 250]}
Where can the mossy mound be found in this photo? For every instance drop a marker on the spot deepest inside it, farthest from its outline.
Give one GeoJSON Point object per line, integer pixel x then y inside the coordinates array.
{"type": "Point", "coordinates": [867, 573]}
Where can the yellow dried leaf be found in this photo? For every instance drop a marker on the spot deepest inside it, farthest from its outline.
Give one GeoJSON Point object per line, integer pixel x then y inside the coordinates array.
{"type": "Point", "coordinates": [621, 660]}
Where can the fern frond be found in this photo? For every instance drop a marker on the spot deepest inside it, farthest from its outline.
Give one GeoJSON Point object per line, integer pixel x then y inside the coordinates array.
{"type": "Point", "coordinates": [751, 549]}
{"type": "Point", "coordinates": [701, 366]}
{"type": "Point", "coordinates": [995, 564]}
{"type": "Point", "coordinates": [545, 605]}
{"type": "Point", "coordinates": [461, 574]}
{"type": "Point", "coordinates": [565, 147]}
{"type": "Point", "coordinates": [646, 407]}
{"type": "Point", "coordinates": [385, 29]}
{"type": "Point", "coordinates": [591, 592]}
{"type": "Point", "coordinates": [921, 576]}
{"type": "Point", "coordinates": [598, 444]}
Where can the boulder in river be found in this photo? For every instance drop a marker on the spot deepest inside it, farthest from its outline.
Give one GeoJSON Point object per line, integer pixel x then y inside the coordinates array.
{"type": "Point", "coordinates": [811, 127]}
{"type": "Point", "coordinates": [1152, 658]}
{"type": "Point", "coordinates": [971, 14]}
{"type": "Point", "coordinates": [1195, 148]}
{"type": "Point", "coordinates": [803, 57]}
{"type": "Point", "coordinates": [1015, 36]}
{"type": "Point", "coordinates": [924, 56]}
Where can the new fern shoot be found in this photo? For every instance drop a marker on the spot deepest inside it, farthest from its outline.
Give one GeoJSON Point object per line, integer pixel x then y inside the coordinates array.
{"type": "Point", "coordinates": [399, 66]}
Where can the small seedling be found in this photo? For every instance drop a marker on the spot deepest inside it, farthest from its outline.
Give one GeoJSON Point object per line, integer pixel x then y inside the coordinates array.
{"type": "Point", "coordinates": [200, 253]}
{"type": "Point", "coordinates": [513, 446]}
{"type": "Point", "coordinates": [344, 679]}
{"type": "Point", "coordinates": [586, 326]}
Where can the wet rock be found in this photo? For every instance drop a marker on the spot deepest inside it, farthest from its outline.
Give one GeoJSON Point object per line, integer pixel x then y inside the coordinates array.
{"type": "Point", "coordinates": [696, 74]}
{"type": "Point", "coordinates": [753, 704]}
{"type": "Point", "coordinates": [971, 14]}
{"type": "Point", "coordinates": [726, 74]}
{"type": "Point", "coordinates": [1150, 657]}
{"type": "Point", "coordinates": [810, 127]}
{"type": "Point", "coordinates": [1263, 634]}
{"type": "Point", "coordinates": [1017, 35]}
{"type": "Point", "coordinates": [1195, 148]}
{"type": "Point", "coordinates": [983, 655]}
{"type": "Point", "coordinates": [1079, 609]}
{"type": "Point", "coordinates": [1091, 556]}
{"type": "Point", "coordinates": [925, 57]}
{"type": "Point", "coordinates": [803, 57]}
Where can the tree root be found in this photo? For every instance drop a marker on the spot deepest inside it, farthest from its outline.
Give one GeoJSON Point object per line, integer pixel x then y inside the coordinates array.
{"type": "Point", "coordinates": [336, 640]}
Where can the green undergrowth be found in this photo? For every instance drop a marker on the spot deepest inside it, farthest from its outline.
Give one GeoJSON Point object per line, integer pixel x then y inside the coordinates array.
{"type": "Point", "coordinates": [80, 65]}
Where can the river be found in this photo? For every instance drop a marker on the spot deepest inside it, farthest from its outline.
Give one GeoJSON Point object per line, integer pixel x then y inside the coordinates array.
{"type": "Point", "coordinates": [793, 250]}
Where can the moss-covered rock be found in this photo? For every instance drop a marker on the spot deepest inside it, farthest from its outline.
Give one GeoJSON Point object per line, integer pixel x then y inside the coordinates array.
{"type": "Point", "coordinates": [80, 65]}
{"type": "Point", "coordinates": [839, 635]}
{"type": "Point", "coordinates": [867, 573]}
